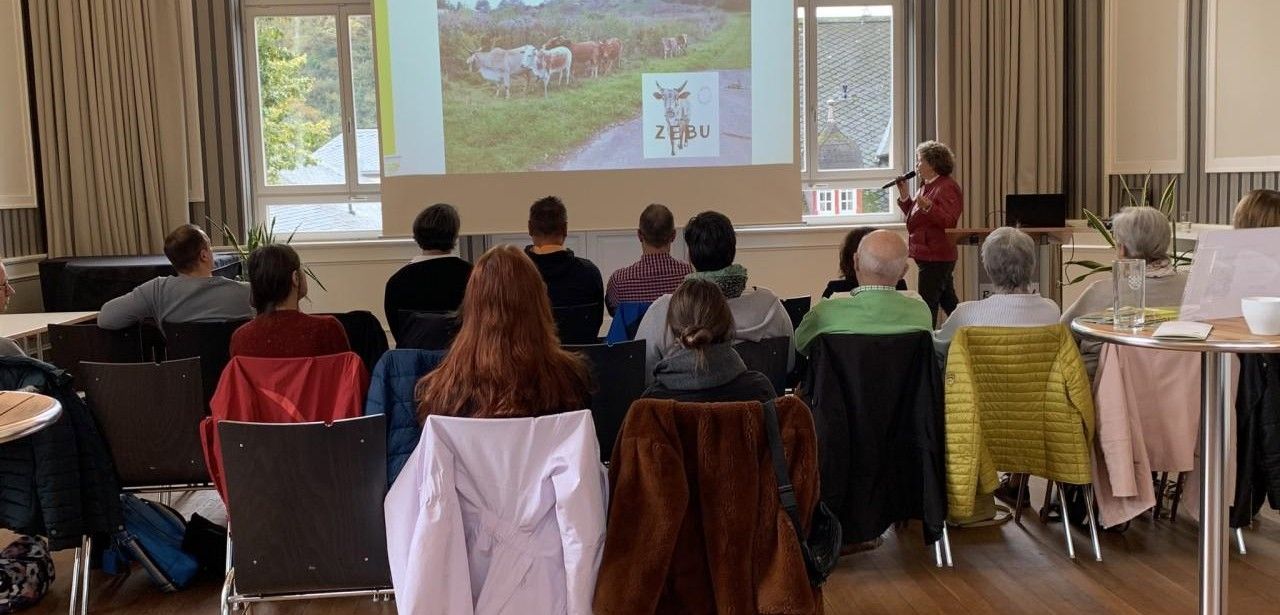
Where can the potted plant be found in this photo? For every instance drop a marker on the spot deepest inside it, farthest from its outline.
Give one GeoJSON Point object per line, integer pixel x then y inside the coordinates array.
{"type": "Point", "coordinates": [1165, 204]}
{"type": "Point", "coordinates": [258, 235]}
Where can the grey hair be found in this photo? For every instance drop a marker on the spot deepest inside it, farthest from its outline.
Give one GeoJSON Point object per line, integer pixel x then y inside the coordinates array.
{"type": "Point", "coordinates": [885, 268]}
{"type": "Point", "coordinates": [1009, 257]}
{"type": "Point", "coordinates": [1143, 232]}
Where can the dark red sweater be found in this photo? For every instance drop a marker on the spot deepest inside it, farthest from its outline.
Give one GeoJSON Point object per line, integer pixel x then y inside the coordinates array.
{"type": "Point", "coordinates": [927, 230]}
{"type": "Point", "coordinates": [289, 333]}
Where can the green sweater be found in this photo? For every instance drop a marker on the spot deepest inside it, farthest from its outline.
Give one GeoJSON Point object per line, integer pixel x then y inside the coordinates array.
{"type": "Point", "coordinates": [874, 312]}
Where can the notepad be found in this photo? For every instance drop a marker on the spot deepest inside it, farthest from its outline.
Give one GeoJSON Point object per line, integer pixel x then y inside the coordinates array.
{"type": "Point", "coordinates": [1183, 330]}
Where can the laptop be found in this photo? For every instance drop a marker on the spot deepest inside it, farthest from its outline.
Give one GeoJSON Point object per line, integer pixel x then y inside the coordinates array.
{"type": "Point", "coordinates": [1035, 210]}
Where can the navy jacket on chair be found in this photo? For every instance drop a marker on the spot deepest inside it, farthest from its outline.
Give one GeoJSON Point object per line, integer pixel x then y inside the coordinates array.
{"type": "Point", "coordinates": [391, 393]}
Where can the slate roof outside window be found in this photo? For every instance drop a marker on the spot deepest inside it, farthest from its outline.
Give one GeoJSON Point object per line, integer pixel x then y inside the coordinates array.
{"type": "Point", "coordinates": [855, 69]}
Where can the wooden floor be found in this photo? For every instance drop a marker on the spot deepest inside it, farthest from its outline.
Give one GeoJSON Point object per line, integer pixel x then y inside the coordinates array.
{"type": "Point", "coordinates": [1004, 569]}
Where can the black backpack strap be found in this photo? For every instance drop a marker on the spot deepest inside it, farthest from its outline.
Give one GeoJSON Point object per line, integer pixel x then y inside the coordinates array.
{"type": "Point", "coordinates": [786, 492]}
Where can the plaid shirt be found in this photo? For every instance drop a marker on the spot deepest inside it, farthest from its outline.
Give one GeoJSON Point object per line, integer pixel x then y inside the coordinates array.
{"type": "Point", "coordinates": [653, 276]}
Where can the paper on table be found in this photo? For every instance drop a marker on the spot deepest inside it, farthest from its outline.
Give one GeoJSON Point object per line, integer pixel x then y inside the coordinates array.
{"type": "Point", "coordinates": [1229, 266]}
{"type": "Point", "coordinates": [1181, 329]}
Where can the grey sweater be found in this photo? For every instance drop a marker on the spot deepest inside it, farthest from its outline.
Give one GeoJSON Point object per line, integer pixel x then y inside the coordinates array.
{"type": "Point", "coordinates": [178, 299]}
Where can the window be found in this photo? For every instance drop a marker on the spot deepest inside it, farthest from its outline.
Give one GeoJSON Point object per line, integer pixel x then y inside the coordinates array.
{"type": "Point", "coordinates": [825, 200]}
{"type": "Point", "coordinates": [852, 101]}
{"type": "Point", "coordinates": [312, 110]}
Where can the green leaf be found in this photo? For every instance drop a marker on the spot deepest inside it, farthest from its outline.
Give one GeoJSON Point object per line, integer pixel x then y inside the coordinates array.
{"type": "Point", "coordinates": [1167, 198]}
{"type": "Point", "coordinates": [1146, 188]}
{"type": "Point", "coordinates": [1088, 264]}
{"type": "Point", "coordinates": [1133, 200]}
{"type": "Point", "coordinates": [1096, 224]}
{"type": "Point", "coordinates": [1080, 278]}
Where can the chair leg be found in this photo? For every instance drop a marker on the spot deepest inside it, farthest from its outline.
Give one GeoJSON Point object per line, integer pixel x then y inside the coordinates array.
{"type": "Point", "coordinates": [1162, 483]}
{"type": "Point", "coordinates": [86, 542]}
{"type": "Point", "coordinates": [946, 546]}
{"type": "Point", "coordinates": [937, 553]}
{"type": "Point", "coordinates": [74, 598]}
{"type": "Point", "coordinates": [1240, 541]}
{"type": "Point", "coordinates": [1066, 518]}
{"type": "Point", "coordinates": [227, 583]}
{"type": "Point", "coordinates": [1177, 496]}
{"type": "Point", "coordinates": [1093, 523]}
{"type": "Point", "coordinates": [1022, 492]}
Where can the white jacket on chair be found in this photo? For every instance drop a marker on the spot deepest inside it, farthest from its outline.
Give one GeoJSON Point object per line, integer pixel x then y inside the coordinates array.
{"type": "Point", "coordinates": [495, 516]}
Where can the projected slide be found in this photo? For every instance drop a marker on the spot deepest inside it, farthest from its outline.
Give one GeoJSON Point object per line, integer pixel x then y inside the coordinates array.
{"type": "Point", "coordinates": [501, 86]}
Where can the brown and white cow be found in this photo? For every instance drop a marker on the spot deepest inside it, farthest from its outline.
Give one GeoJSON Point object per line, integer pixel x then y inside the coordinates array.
{"type": "Point", "coordinates": [499, 65]}
{"type": "Point", "coordinates": [682, 43]}
{"type": "Point", "coordinates": [611, 53]}
{"type": "Point", "coordinates": [586, 54]}
{"type": "Point", "coordinates": [668, 47]}
{"type": "Point", "coordinates": [546, 63]}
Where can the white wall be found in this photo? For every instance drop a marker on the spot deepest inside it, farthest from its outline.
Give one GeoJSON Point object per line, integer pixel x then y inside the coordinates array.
{"type": "Point", "coordinates": [1145, 86]}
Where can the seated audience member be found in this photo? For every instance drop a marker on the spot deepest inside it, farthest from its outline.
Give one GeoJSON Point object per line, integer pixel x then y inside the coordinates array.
{"type": "Point", "coordinates": [1258, 209]}
{"type": "Point", "coordinates": [757, 312]}
{"type": "Point", "coordinates": [7, 347]}
{"type": "Point", "coordinates": [194, 295]}
{"type": "Point", "coordinates": [434, 280]}
{"type": "Point", "coordinates": [876, 307]}
{"type": "Point", "coordinates": [570, 280]}
{"type": "Point", "coordinates": [506, 361]}
{"type": "Point", "coordinates": [848, 279]}
{"type": "Point", "coordinates": [704, 366]}
{"type": "Point", "coordinates": [1140, 232]}
{"type": "Point", "coordinates": [281, 329]}
{"type": "Point", "coordinates": [656, 273]}
{"type": "Point", "coordinates": [1009, 257]}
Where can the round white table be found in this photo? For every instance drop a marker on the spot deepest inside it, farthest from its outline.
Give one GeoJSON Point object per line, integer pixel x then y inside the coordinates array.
{"type": "Point", "coordinates": [1229, 336]}
{"type": "Point", "coordinates": [23, 413]}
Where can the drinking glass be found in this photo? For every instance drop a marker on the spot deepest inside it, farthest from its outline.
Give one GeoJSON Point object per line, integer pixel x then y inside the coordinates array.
{"type": "Point", "coordinates": [1129, 276]}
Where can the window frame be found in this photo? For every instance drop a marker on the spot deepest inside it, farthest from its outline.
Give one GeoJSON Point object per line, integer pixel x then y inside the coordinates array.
{"type": "Point", "coordinates": [352, 191]}
{"type": "Point", "coordinates": [858, 179]}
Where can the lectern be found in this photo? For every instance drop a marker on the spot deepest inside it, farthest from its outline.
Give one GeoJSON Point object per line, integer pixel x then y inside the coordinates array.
{"type": "Point", "coordinates": [1047, 280]}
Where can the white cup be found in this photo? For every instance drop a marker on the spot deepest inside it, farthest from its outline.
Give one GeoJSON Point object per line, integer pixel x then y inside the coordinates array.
{"type": "Point", "coordinates": [1262, 314]}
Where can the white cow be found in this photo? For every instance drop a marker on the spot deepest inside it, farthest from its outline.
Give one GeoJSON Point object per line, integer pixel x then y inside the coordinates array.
{"type": "Point", "coordinates": [499, 65]}
{"type": "Point", "coordinates": [548, 63]}
{"type": "Point", "coordinates": [675, 103]}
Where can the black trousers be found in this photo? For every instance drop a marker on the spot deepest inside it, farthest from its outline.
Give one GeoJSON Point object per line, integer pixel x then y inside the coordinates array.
{"type": "Point", "coordinates": [937, 287]}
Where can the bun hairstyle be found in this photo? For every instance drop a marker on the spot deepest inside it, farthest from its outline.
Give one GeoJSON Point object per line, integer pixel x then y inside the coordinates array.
{"type": "Point", "coordinates": [699, 315]}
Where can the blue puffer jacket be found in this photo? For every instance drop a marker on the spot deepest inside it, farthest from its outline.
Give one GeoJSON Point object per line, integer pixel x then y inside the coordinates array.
{"type": "Point", "coordinates": [391, 393]}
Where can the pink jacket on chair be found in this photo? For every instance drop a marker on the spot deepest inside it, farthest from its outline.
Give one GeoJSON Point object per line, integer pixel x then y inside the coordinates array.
{"type": "Point", "coordinates": [498, 516]}
{"type": "Point", "coordinates": [1148, 415]}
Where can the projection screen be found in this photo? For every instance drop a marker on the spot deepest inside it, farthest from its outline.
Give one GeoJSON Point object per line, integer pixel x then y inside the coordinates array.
{"type": "Point", "coordinates": [609, 104]}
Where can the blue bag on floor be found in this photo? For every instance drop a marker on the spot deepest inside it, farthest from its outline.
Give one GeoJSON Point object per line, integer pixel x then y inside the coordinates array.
{"type": "Point", "coordinates": [152, 536]}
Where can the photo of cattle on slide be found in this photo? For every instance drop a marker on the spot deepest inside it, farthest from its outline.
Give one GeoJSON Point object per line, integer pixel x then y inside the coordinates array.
{"type": "Point", "coordinates": [675, 108]}
{"type": "Point", "coordinates": [588, 56]}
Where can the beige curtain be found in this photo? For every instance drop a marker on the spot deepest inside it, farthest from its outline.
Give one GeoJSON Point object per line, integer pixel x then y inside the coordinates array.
{"type": "Point", "coordinates": [1000, 99]}
{"type": "Point", "coordinates": [112, 110]}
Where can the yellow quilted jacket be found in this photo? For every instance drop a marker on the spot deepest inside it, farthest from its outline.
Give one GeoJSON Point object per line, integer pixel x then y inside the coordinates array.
{"type": "Point", "coordinates": [1018, 400]}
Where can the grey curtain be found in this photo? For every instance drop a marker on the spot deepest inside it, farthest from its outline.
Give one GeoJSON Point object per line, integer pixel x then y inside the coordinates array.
{"type": "Point", "coordinates": [1000, 99]}
{"type": "Point", "coordinates": [113, 110]}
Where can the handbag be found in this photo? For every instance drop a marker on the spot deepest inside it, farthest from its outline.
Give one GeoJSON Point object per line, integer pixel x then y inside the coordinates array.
{"type": "Point", "coordinates": [821, 548]}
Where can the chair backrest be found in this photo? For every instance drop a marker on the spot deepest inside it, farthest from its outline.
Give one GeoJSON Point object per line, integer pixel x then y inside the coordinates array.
{"type": "Point", "coordinates": [796, 308]}
{"type": "Point", "coordinates": [427, 330]}
{"type": "Point", "coordinates": [209, 341]}
{"type": "Point", "coordinates": [305, 501]}
{"type": "Point", "coordinates": [767, 356]}
{"type": "Point", "coordinates": [365, 334]}
{"type": "Point", "coordinates": [619, 377]}
{"type": "Point", "coordinates": [149, 414]}
{"type": "Point", "coordinates": [71, 344]}
{"type": "Point", "coordinates": [578, 324]}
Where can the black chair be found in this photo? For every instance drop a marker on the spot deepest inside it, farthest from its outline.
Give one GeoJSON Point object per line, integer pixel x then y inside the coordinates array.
{"type": "Point", "coordinates": [306, 522]}
{"type": "Point", "coordinates": [209, 341]}
{"type": "Point", "coordinates": [796, 308]}
{"type": "Point", "coordinates": [769, 357]}
{"type": "Point", "coordinates": [365, 334]}
{"type": "Point", "coordinates": [579, 324]}
{"type": "Point", "coordinates": [150, 414]}
{"type": "Point", "coordinates": [427, 330]}
{"type": "Point", "coordinates": [619, 376]}
{"type": "Point", "coordinates": [69, 345]}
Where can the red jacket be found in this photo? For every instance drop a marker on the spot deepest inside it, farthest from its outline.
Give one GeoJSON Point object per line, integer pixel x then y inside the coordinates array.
{"type": "Point", "coordinates": [926, 230]}
{"type": "Point", "coordinates": [300, 390]}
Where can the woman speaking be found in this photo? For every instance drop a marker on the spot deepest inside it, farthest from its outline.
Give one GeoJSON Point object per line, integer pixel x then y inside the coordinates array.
{"type": "Point", "coordinates": [935, 208]}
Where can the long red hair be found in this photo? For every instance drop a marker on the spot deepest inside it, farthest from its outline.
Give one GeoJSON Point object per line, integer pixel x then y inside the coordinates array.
{"type": "Point", "coordinates": [506, 360]}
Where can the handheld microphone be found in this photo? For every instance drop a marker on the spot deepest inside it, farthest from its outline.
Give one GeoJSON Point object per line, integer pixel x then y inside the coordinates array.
{"type": "Point", "coordinates": [900, 178]}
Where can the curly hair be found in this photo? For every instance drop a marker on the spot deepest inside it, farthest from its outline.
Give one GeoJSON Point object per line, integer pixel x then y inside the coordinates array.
{"type": "Point", "coordinates": [938, 156]}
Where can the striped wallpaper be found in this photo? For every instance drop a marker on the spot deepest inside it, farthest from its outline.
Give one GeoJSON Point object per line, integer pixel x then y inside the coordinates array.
{"type": "Point", "coordinates": [1207, 198]}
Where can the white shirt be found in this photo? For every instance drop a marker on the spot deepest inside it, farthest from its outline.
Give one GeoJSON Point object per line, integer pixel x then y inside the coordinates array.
{"type": "Point", "coordinates": [426, 257]}
{"type": "Point", "coordinates": [1012, 310]}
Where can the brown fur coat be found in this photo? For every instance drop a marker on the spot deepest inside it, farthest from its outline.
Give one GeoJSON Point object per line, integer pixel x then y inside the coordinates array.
{"type": "Point", "coordinates": [695, 525]}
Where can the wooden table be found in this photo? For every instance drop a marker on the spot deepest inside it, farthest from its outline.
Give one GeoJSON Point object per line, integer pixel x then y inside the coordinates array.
{"type": "Point", "coordinates": [1229, 336]}
{"type": "Point", "coordinates": [23, 413]}
{"type": "Point", "coordinates": [26, 330]}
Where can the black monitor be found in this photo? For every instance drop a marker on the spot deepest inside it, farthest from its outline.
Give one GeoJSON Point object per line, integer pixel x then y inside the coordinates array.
{"type": "Point", "coordinates": [1035, 210]}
